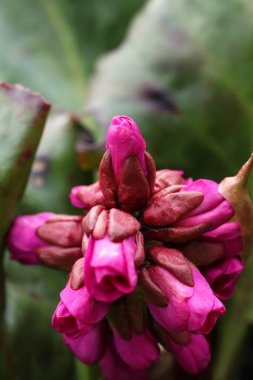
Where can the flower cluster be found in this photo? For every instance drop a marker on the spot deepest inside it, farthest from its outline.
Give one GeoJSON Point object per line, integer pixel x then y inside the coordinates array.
{"type": "Point", "coordinates": [150, 261]}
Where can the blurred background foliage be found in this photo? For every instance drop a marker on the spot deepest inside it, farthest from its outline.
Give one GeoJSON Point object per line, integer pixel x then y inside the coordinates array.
{"type": "Point", "coordinates": [183, 69]}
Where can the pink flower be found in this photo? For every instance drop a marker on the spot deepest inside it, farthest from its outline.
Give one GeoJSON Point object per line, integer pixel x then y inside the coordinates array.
{"type": "Point", "coordinates": [223, 242]}
{"type": "Point", "coordinates": [186, 309]}
{"type": "Point", "coordinates": [194, 356]}
{"type": "Point", "coordinates": [179, 215]}
{"type": "Point", "coordinates": [23, 240]}
{"type": "Point", "coordinates": [109, 268]}
{"type": "Point", "coordinates": [46, 238]}
{"type": "Point", "coordinates": [140, 351]}
{"type": "Point", "coordinates": [90, 347]}
{"type": "Point", "coordinates": [114, 368]}
{"type": "Point", "coordinates": [86, 196]}
{"type": "Point", "coordinates": [123, 140]}
{"type": "Point", "coordinates": [167, 177]}
{"type": "Point", "coordinates": [214, 210]}
{"type": "Point", "coordinates": [222, 276]}
{"type": "Point", "coordinates": [77, 312]}
{"type": "Point", "coordinates": [126, 171]}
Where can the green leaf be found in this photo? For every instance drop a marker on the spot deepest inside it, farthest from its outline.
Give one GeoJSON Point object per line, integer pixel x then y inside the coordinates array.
{"type": "Point", "coordinates": [51, 45]}
{"type": "Point", "coordinates": [184, 72]}
{"type": "Point", "coordinates": [22, 119]}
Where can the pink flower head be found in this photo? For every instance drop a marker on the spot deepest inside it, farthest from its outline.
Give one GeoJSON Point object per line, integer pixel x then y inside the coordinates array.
{"type": "Point", "coordinates": [178, 215]}
{"type": "Point", "coordinates": [126, 171]}
{"type": "Point", "coordinates": [222, 276]}
{"type": "Point", "coordinates": [46, 238]}
{"type": "Point", "coordinates": [194, 356]}
{"type": "Point", "coordinates": [139, 352]}
{"type": "Point", "coordinates": [77, 312]}
{"type": "Point", "coordinates": [23, 240]}
{"type": "Point", "coordinates": [185, 288]}
{"type": "Point", "coordinates": [109, 268]}
{"type": "Point", "coordinates": [89, 348]}
{"type": "Point", "coordinates": [123, 140]}
{"type": "Point", "coordinates": [114, 368]}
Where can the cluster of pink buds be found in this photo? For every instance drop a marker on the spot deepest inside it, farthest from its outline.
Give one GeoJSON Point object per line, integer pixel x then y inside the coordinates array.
{"type": "Point", "coordinates": [150, 261]}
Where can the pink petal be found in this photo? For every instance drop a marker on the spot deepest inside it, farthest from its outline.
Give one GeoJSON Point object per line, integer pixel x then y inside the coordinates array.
{"type": "Point", "coordinates": [139, 352]}
{"type": "Point", "coordinates": [193, 357]}
{"type": "Point", "coordinates": [109, 268]}
{"type": "Point", "coordinates": [23, 240]}
{"type": "Point", "coordinates": [88, 348]}
{"type": "Point", "coordinates": [123, 140]}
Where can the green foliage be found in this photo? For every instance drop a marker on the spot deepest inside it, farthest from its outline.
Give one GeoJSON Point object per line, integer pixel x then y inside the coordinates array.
{"type": "Point", "coordinates": [184, 72]}
{"type": "Point", "coordinates": [51, 45]}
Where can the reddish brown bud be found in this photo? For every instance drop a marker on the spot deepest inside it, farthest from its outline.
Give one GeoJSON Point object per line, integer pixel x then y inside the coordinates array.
{"type": "Point", "coordinates": [76, 278]}
{"type": "Point", "coordinates": [203, 252]}
{"type": "Point", "coordinates": [58, 257]}
{"type": "Point", "coordinates": [87, 196]}
{"type": "Point", "coordinates": [133, 191]}
{"type": "Point", "coordinates": [151, 171]}
{"type": "Point", "coordinates": [150, 290]}
{"type": "Point", "coordinates": [140, 251]}
{"type": "Point", "coordinates": [101, 225]}
{"type": "Point", "coordinates": [122, 225]}
{"type": "Point", "coordinates": [177, 235]}
{"type": "Point", "coordinates": [173, 261]}
{"type": "Point", "coordinates": [166, 178]}
{"type": "Point", "coordinates": [107, 181]}
{"type": "Point", "coordinates": [90, 220]}
{"type": "Point", "coordinates": [165, 209]}
{"type": "Point", "coordinates": [63, 230]}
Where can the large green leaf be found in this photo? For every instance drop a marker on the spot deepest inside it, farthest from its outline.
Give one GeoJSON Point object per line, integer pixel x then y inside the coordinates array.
{"type": "Point", "coordinates": [51, 45]}
{"type": "Point", "coordinates": [184, 72]}
{"type": "Point", "coordinates": [22, 119]}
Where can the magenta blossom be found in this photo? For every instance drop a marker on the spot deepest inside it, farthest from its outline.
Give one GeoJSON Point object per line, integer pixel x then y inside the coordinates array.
{"type": "Point", "coordinates": [123, 141]}
{"type": "Point", "coordinates": [193, 356]}
{"type": "Point", "coordinates": [222, 276]}
{"type": "Point", "coordinates": [89, 348]}
{"type": "Point", "coordinates": [114, 368]}
{"type": "Point", "coordinates": [149, 259]}
{"type": "Point", "coordinates": [185, 289]}
{"type": "Point", "coordinates": [140, 351]}
{"type": "Point", "coordinates": [23, 241]}
{"type": "Point", "coordinates": [109, 268]}
{"type": "Point", "coordinates": [77, 312]}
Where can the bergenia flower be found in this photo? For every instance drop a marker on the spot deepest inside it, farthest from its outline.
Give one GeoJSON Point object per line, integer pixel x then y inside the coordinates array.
{"type": "Point", "coordinates": [152, 258]}
{"type": "Point", "coordinates": [193, 355]}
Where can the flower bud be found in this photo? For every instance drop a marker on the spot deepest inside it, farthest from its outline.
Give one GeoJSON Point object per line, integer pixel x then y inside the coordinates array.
{"type": "Point", "coordinates": [194, 356]}
{"type": "Point", "coordinates": [91, 347]}
{"type": "Point", "coordinates": [185, 292]}
{"type": "Point", "coordinates": [23, 240]}
{"type": "Point", "coordinates": [114, 368]}
{"type": "Point", "coordinates": [126, 172]}
{"type": "Point", "coordinates": [179, 215]}
{"type": "Point", "coordinates": [140, 351]}
{"type": "Point", "coordinates": [77, 312]}
{"type": "Point", "coordinates": [222, 276]}
{"type": "Point", "coordinates": [167, 177]}
{"type": "Point", "coordinates": [114, 251]}
{"type": "Point", "coordinates": [86, 196]}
